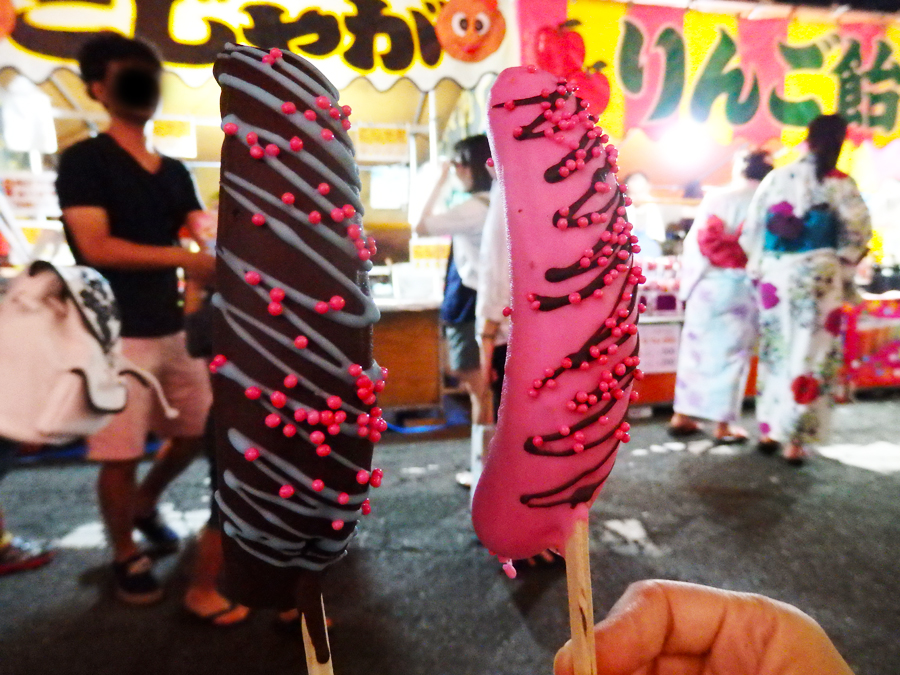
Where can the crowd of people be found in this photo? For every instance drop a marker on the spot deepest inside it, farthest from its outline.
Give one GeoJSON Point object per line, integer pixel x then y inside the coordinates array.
{"type": "Point", "coordinates": [769, 258]}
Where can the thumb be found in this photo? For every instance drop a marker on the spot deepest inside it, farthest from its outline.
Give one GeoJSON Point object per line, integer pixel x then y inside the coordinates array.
{"type": "Point", "coordinates": [562, 664]}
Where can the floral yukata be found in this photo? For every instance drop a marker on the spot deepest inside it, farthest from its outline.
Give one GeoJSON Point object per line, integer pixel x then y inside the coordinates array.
{"type": "Point", "coordinates": [807, 238]}
{"type": "Point", "coordinates": [720, 319]}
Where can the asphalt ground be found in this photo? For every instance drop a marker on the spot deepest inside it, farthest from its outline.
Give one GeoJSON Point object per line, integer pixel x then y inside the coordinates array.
{"type": "Point", "coordinates": [417, 595]}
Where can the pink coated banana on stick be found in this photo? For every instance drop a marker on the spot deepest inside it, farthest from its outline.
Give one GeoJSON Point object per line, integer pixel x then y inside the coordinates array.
{"type": "Point", "coordinates": [573, 347]}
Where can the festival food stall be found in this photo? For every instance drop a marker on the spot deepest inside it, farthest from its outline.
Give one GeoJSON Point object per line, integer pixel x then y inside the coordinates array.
{"type": "Point", "coordinates": [682, 90]}
{"type": "Point", "coordinates": [402, 66]}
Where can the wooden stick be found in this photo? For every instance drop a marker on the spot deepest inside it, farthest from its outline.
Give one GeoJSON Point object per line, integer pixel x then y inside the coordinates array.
{"type": "Point", "coordinates": [313, 667]}
{"type": "Point", "coordinates": [581, 603]}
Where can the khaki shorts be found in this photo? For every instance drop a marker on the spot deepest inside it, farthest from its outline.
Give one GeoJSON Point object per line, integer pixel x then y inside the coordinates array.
{"type": "Point", "coordinates": [184, 380]}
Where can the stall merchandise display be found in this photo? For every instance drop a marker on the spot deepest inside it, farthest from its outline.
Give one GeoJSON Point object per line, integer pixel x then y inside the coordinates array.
{"type": "Point", "coordinates": [295, 383]}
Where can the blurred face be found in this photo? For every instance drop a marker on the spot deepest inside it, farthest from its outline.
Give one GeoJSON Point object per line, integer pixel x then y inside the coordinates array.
{"type": "Point", "coordinates": [130, 90]}
{"type": "Point", "coordinates": [463, 174]}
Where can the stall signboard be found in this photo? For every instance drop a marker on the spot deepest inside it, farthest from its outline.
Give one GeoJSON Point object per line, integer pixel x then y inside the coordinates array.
{"type": "Point", "coordinates": [381, 40]}
{"type": "Point", "coordinates": [740, 78]}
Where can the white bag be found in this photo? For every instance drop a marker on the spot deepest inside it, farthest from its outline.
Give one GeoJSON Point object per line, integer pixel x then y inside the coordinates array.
{"type": "Point", "coordinates": [61, 364]}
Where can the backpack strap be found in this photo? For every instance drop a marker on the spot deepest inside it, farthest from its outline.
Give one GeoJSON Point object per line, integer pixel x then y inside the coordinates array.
{"type": "Point", "coordinates": [149, 380]}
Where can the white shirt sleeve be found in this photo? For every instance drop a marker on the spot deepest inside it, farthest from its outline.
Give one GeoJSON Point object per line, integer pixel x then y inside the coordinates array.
{"type": "Point", "coordinates": [493, 277]}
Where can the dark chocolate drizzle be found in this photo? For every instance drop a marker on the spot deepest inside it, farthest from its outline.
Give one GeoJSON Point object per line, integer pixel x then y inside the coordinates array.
{"type": "Point", "coordinates": [606, 264]}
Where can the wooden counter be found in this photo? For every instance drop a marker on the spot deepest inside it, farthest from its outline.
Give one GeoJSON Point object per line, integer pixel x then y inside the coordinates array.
{"type": "Point", "coordinates": [407, 341]}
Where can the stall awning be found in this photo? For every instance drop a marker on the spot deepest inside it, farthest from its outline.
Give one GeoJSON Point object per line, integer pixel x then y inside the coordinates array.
{"type": "Point", "coordinates": [381, 40]}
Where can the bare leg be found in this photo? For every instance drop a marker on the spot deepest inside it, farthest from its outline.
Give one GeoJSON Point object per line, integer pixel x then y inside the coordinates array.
{"type": "Point", "coordinates": [202, 596]}
{"type": "Point", "coordinates": [117, 490]}
{"type": "Point", "coordinates": [474, 384]}
{"type": "Point", "coordinates": [168, 466]}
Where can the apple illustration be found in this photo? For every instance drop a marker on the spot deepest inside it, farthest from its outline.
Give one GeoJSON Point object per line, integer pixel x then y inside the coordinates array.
{"type": "Point", "coordinates": [593, 86]}
{"type": "Point", "coordinates": [7, 18]}
{"type": "Point", "coordinates": [559, 49]}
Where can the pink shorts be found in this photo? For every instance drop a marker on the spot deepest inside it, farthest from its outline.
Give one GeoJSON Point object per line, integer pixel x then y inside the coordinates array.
{"type": "Point", "coordinates": [185, 381]}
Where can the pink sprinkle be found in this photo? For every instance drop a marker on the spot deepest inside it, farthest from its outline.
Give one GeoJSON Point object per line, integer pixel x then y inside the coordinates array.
{"type": "Point", "coordinates": [321, 307]}
{"type": "Point", "coordinates": [489, 162]}
{"type": "Point", "coordinates": [300, 414]}
{"type": "Point", "coordinates": [517, 132]}
{"type": "Point", "coordinates": [582, 222]}
{"type": "Point", "coordinates": [507, 311]}
{"type": "Point", "coordinates": [323, 450]}
{"type": "Point", "coordinates": [532, 393]}
{"type": "Point", "coordinates": [278, 399]}
{"type": "Point", "coordinates": [334, 113]}
{"type": "Point", "coordinates": [290, 381]}
{"type": "Point", "coordinates": [362, 476]}
{"type": "Point", "coordinates": [286, 492]}
{"type": "Point", "coordinates": [251, 454]}
{"type": "Point", "coordinates": [301, 341]}
{"type": "Point", "coordinates": [258, 219]}
{"type": "Point", "coordinates": [375, 479]}
{"type": "Point", "coordinates": [327, 416]}
{"type": "Point", "coordinates": [324, 188]}
{"type": "Point", "coordinates": [276, 295]}
{"type": "Point", "coordinates": [509, 569]}
{"type": "Point", "coordinates": [551, 384]}
{"type": "Point", "coordinates": [585, 262]}
{"type": "Point", "coordinates": [334, 402]}
{"type": "Point", "coordinates": [256, 152]}
{"type": "Point", "coordinates": [343, 498]}
{"type": "Point", "coordinates": [317, 437]}
{"type": "Point", "coordinates": [531, 68]}
{"type": "Point", "coordinates": [562, 223]}
{"type": "Point", "coordinates": [315, 217]}
{"type": "Point", "coordinates": [313, 417]}
{"type": "Point", "coordinates": [275, 53]}
{"type": "Point", "coordinates": [275, 308]}
{"type": "Point", "coordinates": [288, 108]}
{"type": "Point", "coordinates": [564, 430]}
{"type": "Point", "coordinates": [310, 115]}
{"type": "Point", "coordinates": [353, 231]}
{"type": "Point", "coordinates": [337, 215]}
{"type": "Point", "coordinates": [230, 128]}
{"type": "Point", "coordinates": [337, 524]}
{"type": "Point", "coordinates": [327, 135]}
{"type": "Point", "coordinates": [272, 150]}
{"type": "Point", "coordinates": [289, 430]}
{"type": "Point", "coordinates": [323, 102]}
{"type": "Point", "coordinates": [347, 110]}
{"type": "Point", "coordinates": [578, 447]}
{"type": "Point", "coordinates": [374, 436]}
{"type": "Point", "coordinates": [366, 508]}
{"type": "Point", "coordinates": [336, 302]}
{"type": "Point", "coordinates": [296, 144]}
{"type": "Point", "coordinates": [318, 485]}
{"type": "Point", "coordinates": [272, 420]}
{"type": "Point", "coordinates": [252, 393]}
{"type": "Point", "coordinates": [537, 441]}
{"type": "Point", "coordinates": [287, 198]}
{"type": "Point", "coordinates": [574, 298]}
{"type": "Point", "coordinates": [364, 255]}
{"type": "Point", "coordinates": [362, 431]}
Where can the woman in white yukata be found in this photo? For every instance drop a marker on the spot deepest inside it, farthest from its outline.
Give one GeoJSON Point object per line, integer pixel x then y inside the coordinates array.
{"type": "Point", "coordinates": [720, 319]}
{"type": "Point", "coordinates": [811, 230]}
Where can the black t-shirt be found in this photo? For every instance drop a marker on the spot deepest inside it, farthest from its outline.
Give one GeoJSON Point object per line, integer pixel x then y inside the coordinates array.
{"type": "Point", "coordinates": [142, 207]}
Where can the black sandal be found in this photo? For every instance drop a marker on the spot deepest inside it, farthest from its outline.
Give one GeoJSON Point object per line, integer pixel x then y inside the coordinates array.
{"type": "Point", "coordinates": [768, 447]}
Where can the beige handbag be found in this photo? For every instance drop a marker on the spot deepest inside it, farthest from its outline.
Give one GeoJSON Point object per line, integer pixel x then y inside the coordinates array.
{"type": "Point", "coordinates": [62, 373]}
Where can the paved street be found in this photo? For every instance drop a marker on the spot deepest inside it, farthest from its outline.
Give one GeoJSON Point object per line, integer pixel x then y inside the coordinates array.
{"type": "Point", "coordinates": [418, 596]}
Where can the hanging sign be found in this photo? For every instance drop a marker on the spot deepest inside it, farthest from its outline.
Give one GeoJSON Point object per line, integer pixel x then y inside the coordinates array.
{"type": "Point", "coordinates": [653, 67]}
{"type": "Point", "coordinates": [423, 40]}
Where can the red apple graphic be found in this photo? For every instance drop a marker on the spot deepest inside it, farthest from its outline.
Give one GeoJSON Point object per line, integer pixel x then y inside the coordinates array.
{"type": "Point", "coordinates": [593, 86]}
{"type": "Point", "coordinates": [559, 49]}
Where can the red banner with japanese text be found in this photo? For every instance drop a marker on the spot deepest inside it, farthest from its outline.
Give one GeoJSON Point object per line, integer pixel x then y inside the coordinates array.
{"type": "Point", "coordinates": [740, 78]}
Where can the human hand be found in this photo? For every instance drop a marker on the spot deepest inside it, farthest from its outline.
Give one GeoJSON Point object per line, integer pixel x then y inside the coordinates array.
{"type": "Point", "coordinates": [669, 627]}
{"type": "Point", "coordinates": [200, 268]}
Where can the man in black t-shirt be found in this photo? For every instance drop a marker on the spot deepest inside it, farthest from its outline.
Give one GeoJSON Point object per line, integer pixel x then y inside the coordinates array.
{"type": "Point", "coordinates": [123, 207]}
